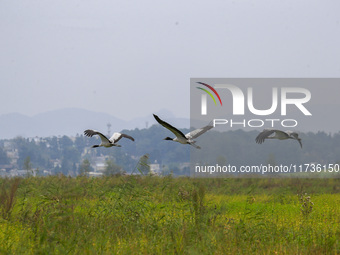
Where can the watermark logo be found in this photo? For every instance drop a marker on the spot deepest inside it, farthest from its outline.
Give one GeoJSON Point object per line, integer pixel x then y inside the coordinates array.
{"type": "Point", "coordinates": [252, 103]}
{"type": "Point", "coordinates": [247, 111]}
{"type": "Point", "coordinates": [239, 99]}
{"type": "Point", "coordinates": [204, 97]}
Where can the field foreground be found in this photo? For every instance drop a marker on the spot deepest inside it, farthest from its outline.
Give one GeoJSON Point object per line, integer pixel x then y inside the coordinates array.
{"type": "Point", "coordinates": [165, 215]}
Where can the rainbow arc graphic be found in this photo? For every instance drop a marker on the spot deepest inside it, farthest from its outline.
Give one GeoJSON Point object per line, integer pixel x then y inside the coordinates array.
{"type": "Point", "coordinates": [209, 93]}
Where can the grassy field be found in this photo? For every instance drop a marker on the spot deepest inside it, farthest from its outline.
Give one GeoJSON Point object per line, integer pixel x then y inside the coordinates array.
{"type": "Point", "coordinates": [154, 215]}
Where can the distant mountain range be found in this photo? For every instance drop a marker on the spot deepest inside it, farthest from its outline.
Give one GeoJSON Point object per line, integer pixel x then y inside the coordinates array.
{"type": "Point", "coordinates": [73, 121]}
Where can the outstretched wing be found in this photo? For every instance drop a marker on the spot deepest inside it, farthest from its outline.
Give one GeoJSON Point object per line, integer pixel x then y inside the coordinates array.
{"type": "Point", "coordinates": [117, 136]}
{"type": "Point", "coordinates": [90, 133]}
{"type": "Point", "coordinates": [299, 140]}
{"type": "Point", "coordinates": [174, 130]}
{"type": "Point", "coordinates": [268, 132]}
{"type": "Point", "coordinates": [263, 135]}
{"type": "Point", "coordinates": [296, 137]}
{"type": "Point", "coordinates": [197, 132]}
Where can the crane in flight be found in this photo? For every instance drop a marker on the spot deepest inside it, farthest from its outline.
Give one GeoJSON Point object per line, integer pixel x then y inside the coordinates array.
{"type": "Point", "coordinates": [277, 134]}
{"type": "Point", "coordinates": [180, 137]}
{"type": "Point", "coordinates": [105, 142]}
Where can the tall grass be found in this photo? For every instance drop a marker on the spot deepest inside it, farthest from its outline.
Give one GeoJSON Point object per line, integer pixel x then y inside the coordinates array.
{"type": "Point", "coordinates": [7, 196]}
{"type": "Point", "coordinates": [154, 215]}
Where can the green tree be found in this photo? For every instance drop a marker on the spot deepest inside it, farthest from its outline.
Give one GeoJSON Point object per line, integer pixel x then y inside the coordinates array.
{"type": "Point", "coordinates": [66, 166]}
{"type": "Point", "coordinates": [144, 165]}
{"type": "Point", "coordinates": [85, 167]}
{"type": "Point", "coordinates": [3, 157]}
{"type": "Point", "coordinates": [36, 151]}
{"type": "Point", "coordinates": [28, 165]}
{"type": "Point", "coordinates": [65, 142]}
{"type": "Point", "coordinates": [271, 160]}
{"type": "Point", "coordinates": [112, 168]}
{"type": "Point", "coordinates": [221, 160]}
{"type": "Point", "coordinates": [70, 156]}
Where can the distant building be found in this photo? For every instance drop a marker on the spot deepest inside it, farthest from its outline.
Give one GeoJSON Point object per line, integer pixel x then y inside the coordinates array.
{"type": "Point", "coordinates": [21, 173]}
{"type": "Point", "coordinates": [56, 163]}
{"type": "Point", "coordinates": [155, 168]}
{"type": "Point", "coordinates": [3, 172]}
{"type": "Point", "coordinates": [100, 164]}
{"type": "Point", "coordinates": [184, 165]}
{"type": "Point", "coordinates": [95, 174]}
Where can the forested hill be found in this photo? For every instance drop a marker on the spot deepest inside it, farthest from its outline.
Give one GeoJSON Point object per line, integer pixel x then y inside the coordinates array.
{"type": "Point", "coordinates": [231, 147]}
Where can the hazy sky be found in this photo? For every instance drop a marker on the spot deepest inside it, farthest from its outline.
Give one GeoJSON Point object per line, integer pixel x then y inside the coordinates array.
{"type": "Point", "coordinates": [132, 58]}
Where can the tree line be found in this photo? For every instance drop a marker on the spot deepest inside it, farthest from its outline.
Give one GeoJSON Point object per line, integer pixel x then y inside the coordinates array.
{"type": "Point", "coordinates": [65, 154]}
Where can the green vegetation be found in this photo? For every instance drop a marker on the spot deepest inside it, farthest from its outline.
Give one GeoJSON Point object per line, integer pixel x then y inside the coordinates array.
{"type": "Point", "coordinates": [166, 215]}
{"type": "Point", "coordinates": [65, 155]}
{"type": "Point", "coordinates": [235, 147]}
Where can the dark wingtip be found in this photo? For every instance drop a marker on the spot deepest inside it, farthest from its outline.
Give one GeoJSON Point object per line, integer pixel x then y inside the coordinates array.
{"type": "Point", "coordinates": [258, 140]}
{"type": "Point", "coordinates": [157, 118]}
{"type": "Point", "coordinates": [88, 132]}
